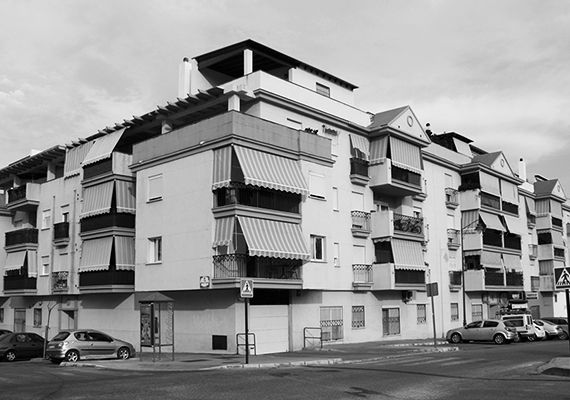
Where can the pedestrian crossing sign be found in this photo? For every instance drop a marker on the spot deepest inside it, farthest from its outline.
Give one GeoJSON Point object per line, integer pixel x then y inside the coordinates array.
{"type": "Point", "coordinates": [562, 277]}
{"type": "Point", "coordinates": [246, 288]}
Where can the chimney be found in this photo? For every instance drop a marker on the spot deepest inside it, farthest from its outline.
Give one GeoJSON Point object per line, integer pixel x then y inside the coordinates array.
{"type": "Point", "coordinates": [522, 169]}
{"type": "Point", "coordinates": [184, 78]}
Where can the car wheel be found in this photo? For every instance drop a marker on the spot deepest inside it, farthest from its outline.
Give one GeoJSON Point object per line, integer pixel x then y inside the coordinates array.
{"type": "Point", "coordinates": [517, 338]}
{"type": "Point", "coordinates": [123, 353]}
{"type": "Point", "coordinates": [531, 338]}
{"type": "Point", "coordinates": [563, 336]}
{"type": "Point", "coordinates": [72, 356]}
{"type": "Point", "coordinates": [499, 339]}
{"type": "Point", "coordinates": [10, 356]}
{"type": "Point", "coordinates": [456, 338]}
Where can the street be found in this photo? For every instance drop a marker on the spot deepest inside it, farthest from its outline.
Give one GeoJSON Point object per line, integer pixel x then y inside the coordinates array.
{"type": "Point", "coordinates": [475, 371]}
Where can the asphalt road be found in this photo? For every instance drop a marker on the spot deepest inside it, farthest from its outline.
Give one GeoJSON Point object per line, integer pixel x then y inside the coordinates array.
{"type": "Point", "coordinates": [476, 371]}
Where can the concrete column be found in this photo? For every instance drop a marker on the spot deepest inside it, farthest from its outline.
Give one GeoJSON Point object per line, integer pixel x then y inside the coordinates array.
{"type": "Point", "coordinates": [234, 103]}
{"type": "Point", "coordinates": [247, 62]}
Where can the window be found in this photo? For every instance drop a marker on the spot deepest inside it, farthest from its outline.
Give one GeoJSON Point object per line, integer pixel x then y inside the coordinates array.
{"type": "Point", "coordinates": [317, 187]}
{"type": "Point", "coordinates": [65, 216]}
{"type": "Point", "coordinates": [390, 321]}
{"type": "Point", "coordinates": [46, 219]}
{"type": "Point", "coordinates": [155, 250]}
{"type": "Point", "coordinates": [331, 323]}
{"type": "Point", "coordinates": [455, 311]}
{"type": "Point", "coordinates": [421, 314]}
{"type": "Point", "coordinates": [476, 312]}
{"type": "Point", "coordinates": [45, 265]}
{"type": "Point", "coordinates": [37, 317]}
{"type": "Point", "coordinates": [336, 254]}
{"type": "Point", "coordinates": [324, 90]}
{"type": "Point", "coordinates": [155, 187]}
{"type": "Point", "coordinates": [358, 317]}
{"type": "Point", "coordinates": [335, 199]}
{"type": "Point", "coordinates": [317, 248]}
{"type": "Point", "coordinates": [332, 134]}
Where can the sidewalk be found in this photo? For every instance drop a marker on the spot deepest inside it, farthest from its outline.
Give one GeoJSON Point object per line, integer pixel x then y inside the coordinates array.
{"type": "Point", "coordinates": [330, 354]}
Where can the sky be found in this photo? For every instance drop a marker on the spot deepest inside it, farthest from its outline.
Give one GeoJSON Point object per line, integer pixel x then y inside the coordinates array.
{"type": "Point", "coordinates": [495, 71]}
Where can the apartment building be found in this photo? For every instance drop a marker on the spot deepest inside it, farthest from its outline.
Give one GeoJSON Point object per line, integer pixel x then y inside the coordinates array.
{"type": "Point", "coordinates": [264, 168]}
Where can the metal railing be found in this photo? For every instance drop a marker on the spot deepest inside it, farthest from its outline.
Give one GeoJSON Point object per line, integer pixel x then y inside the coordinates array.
{"type": "Point", "coordinates": [251, 344]}
{"type": "Point", "coordinates": [309, 335]}
{"type": "Point", "coordinates": [362, 273]}
{"type": "Point", "coordinates": [408, 224]}
{"type": "Point", "coordinates": [360, 220]}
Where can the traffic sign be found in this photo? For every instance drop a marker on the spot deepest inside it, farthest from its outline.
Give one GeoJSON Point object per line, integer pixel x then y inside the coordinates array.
{"type": "Point", "coordinates": [562, 277]}
{"type": "Point", "coordinates": [246, 288]}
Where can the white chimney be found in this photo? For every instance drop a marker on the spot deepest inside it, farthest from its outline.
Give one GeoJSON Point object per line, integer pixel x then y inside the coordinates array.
{"type": "Point", "coordinates": [522, 169]}
{"type": "Point", "coordinates": [184, 78]}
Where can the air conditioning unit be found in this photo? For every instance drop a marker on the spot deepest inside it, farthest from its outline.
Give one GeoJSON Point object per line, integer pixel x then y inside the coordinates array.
{"type": "Point", "coordinates": [408, 295]}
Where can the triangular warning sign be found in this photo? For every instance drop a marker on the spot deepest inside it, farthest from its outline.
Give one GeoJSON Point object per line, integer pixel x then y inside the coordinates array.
{"type": "Point", "coordinates": [564, 279]}
{"type": "Point", "coordinates": [246, 287]}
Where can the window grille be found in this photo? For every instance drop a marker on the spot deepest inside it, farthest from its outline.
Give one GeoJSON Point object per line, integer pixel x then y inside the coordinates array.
{"type": "Point", "coordinates": [358, 316]}
{"type": "Point", "coordinates": [455, 311]}
{"type": "Point", "coordinates": [331, 323]}
{"type": "Point", "coordinates": [390, 321]}
{"type": "Point", "coordinates": [422, 317]}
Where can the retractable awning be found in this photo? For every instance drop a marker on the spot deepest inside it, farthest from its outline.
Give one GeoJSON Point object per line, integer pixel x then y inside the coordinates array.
{"type": "Point", "coordinates": [266, 238]}
{"type": "Point", "coordinates": [491, 260]}
{"type": "Point", "coordinates": [492, 221]}
{"type": "Point", "coordinates": [223, 235]}
{"type": "Point", "coordinates": [96, 254]}
{"type": "Point", "coordinates": [405, 155]}
{"type": "Point", "coordinates": [361, 144]}
{"type": "Point", "coordinates": [125, 253]}
{"type": "Point", "coordinates": [378, 150]}
{"type": "Point", "coordinates": [74, 157]}
{"type": "Point", "coordinates": [15, 260]}
{"type": "Point", "coordinates": [513, 225]}
{"type": "Point", "coordinates": [530, 207]}
{"type": "Point", "coordinates": [97, 199]}
{"type": "Point", "coordinates": [125, 193]}
{"type": "Point", "coordinates": [408, 254]}
{"type": "Point", "coordinates": [222, 167]}
{"type": "Point", "coordinates": [103, 147]}
{"type": "Point", "coordinates": [512, 261]}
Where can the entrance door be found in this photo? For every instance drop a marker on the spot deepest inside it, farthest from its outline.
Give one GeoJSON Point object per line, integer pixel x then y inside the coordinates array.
{"type": "Point", "coordinates": [20, 320]}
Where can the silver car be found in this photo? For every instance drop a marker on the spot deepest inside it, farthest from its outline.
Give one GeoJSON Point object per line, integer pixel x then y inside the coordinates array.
{"type": "Point", "coordinates": [486, 330]}
{"type": "Point", "coordinates": [73, 345]}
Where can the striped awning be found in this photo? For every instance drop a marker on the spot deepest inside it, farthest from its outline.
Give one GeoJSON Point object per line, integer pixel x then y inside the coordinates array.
{"type": "Point", "coordinates": [96, 254]}
{"type": "Point", "coordinates": [513, 225]}
{"type": "Point", "coordinates": [74, 157]}
{"type": "Point", "coordinates": [489, 184]}
{"type": "Point", "coordinates": [530, 207]}
{"type": "Point", "coordinates": [125, 253]}
{"type": "Point", "coordinates": [32, 262]}
{"type": "Point", "coordinates": [378, 150]}
{"type": "Point", "coordinates": [491, 260]}
{"type": "Point", "coordinates": [270, 171]}
{"type": "Point", "coordinates": [274, 239]}
{"type": "Point", "coordinates": [222, 167]}
{"type": "Point", "coordinates": [492, 221]}
{"type": "Point", "coordinates": [405, 155]}
{"type": "Point", "coordinates": [125, 192]}
{"type": "Point", "coordinates": [361, 144]}
{"type": "Point", "coordinates": [97, 199]}
{"type": "Point", "coordinates": [557, 238]}
{"type": "Point", "coordinates": [223, 235]}
{"type": "Point", "coordinates": [408, 255]}
{"type": "Point", "coordinates": [512, 261]}
{"type": "Point", "coordinates": [103, 147]}
{"type": "Point", "coordinates": [15, 260]}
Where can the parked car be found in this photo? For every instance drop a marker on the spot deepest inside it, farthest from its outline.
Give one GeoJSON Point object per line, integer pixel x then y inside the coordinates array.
{"type": "Point", "coordinates": [552, 330]}
{"type": "Point", "coordinates": [21, 345]}
{"type": "Point", "coordinates": [561, 322]}
{"type": "Point", "coordinates": [523, 325]}
{"type": "Point", "coordinates": [3, 331]}
{"type": "Point", "coordinates": [486, 330]}
{"type": "Point", "coordinates": [73, 345]}
{"type": "Point", "coordinates": [539, 331]}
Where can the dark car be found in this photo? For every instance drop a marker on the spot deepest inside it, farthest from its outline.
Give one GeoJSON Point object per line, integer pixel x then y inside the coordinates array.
{"type": "Point", "coordinates": [21, 345]}
{"type": "Point", "coordinates": [3, 331]}
{"type": "Point", "coordinates": [561, 322]}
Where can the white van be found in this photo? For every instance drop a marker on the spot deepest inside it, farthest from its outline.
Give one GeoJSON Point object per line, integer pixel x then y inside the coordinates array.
{"type": "Point", "coordinates": [524, 325]}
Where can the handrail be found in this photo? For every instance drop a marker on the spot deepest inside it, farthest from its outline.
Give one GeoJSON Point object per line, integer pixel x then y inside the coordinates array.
{"type": "Point", "coordinates": [251, 343]}
{"type": "Point", "coordinates": [306, 332]}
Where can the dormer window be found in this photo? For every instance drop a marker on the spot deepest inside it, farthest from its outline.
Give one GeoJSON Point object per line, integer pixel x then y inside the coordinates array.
{"type": "Point", "coordinates": [324, 90]}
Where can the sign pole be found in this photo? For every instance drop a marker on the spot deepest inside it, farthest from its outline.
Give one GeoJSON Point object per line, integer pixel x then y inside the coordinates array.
{"type": "Point", "coordinates": [568, 309]}
{"type": "Point", "coordinates": [246, 331]}
{"type": "Point", "coordinates": [432, 291]}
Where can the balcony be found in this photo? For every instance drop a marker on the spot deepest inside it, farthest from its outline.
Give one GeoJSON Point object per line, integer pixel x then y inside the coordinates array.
{"type": "Point", "coordinates": [394, 181]}
{"type": "Point", "coordinates": [108, 222]}
{"type": "Point", "coordinates": [386, 224]}
{"type": "Point", "coordinates": [20, 284]}
{"type": "Point", "coordinates": [547, 283]}
{"type": "Point", "coordinates": [532, 251]}
{"type": "Point", "coordinates": [389, 277]}
{"type": "Point", "coordinates": [59, 281]}
{"type": "Point", "coordinates": [359, 171]}
{"type": "Point", "coordinates": [360, 224]}
{"type": "Point", "coordinates": [362, 277]}
{"type": "Point", "coordinates": [453, 239]}
{"type": "Point", "coordinates": [275, 273]}
{"type": "Point", "coordinates": [24, 198]}
{"type": "Point", "coordinates": [548, 221]}
{"type": "Point", "coordinates": [26, 238]}
{"type": "Point", "coordinates": [530, 221]}
{"type": "Point", "coordinates": [240, 194]}
{"type": "Point", "coordinates": [481, 280]}
{"type": "Point", "coordinates": [455, 280]}
{"type": "Point", "coordinates": [107, 281]}
{"type": "Point", "coordinates": [61, 234]}
{"type": "Point", "coordinates": [408, 225]}
{"type": "Point", "coordinates": [117, 164]}
{"type": "Point", "coordinates": [550, 252]}
{"type": "Point", "coordinates": [451, 198]}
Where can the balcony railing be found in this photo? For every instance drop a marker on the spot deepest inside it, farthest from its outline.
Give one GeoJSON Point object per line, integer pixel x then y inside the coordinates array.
{"type": "Point", "coordinates": [493, 278]}
{"type": "Point", "coordinates": [534, 283]}
{"type": "Point", "coordinates": [362, 273]}
{"type": "Point", "coordinates": [533, 251]}
{"type": "Point", "coordinates": [59, 281]}
{"type": "Point", "coordinates": [21, 237]}
{"type": "Point", "coordinates": [250, 196]}
{"type": "Point", "coordinates": [490, 201]}
{"type": "Point", "coordinates": [244, 266]}
{"type": "Point", "coordinates": [106, 221]}
{"type": "Point", "coordinates": [455, 278]}
{"type": "Point", "coordinates": [410, 277]}
{"type": "Point", "coordinates": [361, 223]}
{"type": "Point", "coordinates": [451, 197]}
{"type": "Point", "coordinates": [514, 278]}
{"type": "Point", "coordinates": [453, 238]}
{"type": "Point", "coordinates": [359, 167]}
{"type": "Point", "coordinates": [408, 224]}
{"type": "Point", "coordinates": [61, 231]}
{"type": "Point", "coordinates": [19, 283]}
{"type": "Point", "coordinates": [110, 277]}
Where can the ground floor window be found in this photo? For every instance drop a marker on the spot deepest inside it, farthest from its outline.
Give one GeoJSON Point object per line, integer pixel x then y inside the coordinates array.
{"type": "Point", "coordinates": [455, 311]}
{"type": "Point", "coordinates": [331, 323]}
{"type": "Point", "coordinates": [358, 316]}
{"type": "Point", "coordinates": [476, 312]}
{"type": "Point", "coordinates": [421, 314]}
{"type": "Point", "coordinates": [390, 321]}
{"type": "Point", "coordinates": [37, 317]}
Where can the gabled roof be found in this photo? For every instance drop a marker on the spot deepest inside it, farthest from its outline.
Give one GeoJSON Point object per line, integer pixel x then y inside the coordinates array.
{"type": "Point", "coordinates": [487, 159]}
{"type": "Point", "coordinates": [384, 118]}
{"type": "Point", "coordinates": [544, 187]}
{"type": "Point", "coordinates": [399, 122]}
